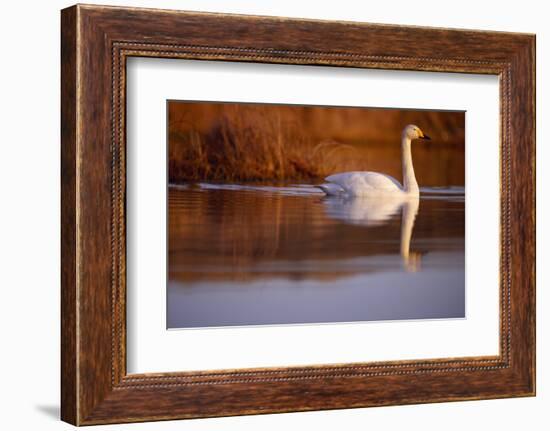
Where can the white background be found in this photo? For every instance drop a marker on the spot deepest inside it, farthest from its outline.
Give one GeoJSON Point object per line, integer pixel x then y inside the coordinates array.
{"type": "Point", "coordinates": [151, 348]}
{"type": "Point", "coordinates": [29, 227]}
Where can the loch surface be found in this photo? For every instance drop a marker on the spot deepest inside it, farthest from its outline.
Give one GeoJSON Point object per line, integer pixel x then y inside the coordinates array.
{"type": "Point", "coordinates": [275, 254]}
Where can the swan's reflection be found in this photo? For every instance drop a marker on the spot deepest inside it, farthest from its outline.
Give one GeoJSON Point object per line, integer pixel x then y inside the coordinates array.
{"type": "Point", "coordinates": [377, 211]}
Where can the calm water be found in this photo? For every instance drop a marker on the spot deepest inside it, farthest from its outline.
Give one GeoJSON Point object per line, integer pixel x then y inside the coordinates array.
{"type": "Point", "coordinates": [256, 255]}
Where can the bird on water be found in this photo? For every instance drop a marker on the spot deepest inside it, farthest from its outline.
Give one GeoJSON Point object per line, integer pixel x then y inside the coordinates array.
{"type": "Point", "coordinates": [370, 184]}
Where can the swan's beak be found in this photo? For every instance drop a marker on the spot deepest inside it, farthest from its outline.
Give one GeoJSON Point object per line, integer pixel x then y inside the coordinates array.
{"type": "Point", "coordinates": [425, 137]}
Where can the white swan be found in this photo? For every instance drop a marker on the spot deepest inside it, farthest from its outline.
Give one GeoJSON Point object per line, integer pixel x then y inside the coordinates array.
{"type": "Point", "coordinates": [365, 183]}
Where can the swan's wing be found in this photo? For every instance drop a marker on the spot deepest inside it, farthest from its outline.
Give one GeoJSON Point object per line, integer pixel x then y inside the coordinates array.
{"type": "Point", "coordinates": [361, 183]}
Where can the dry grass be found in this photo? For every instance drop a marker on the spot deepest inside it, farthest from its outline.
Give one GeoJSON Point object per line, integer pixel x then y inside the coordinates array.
{"type": "Point", "coordinates": [252, 146]}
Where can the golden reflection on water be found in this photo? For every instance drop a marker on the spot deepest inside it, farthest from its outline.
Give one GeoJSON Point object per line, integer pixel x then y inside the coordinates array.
{"type": "Point", "coordinates": [241, 255]}
{"type": "Point", "coordinates": [233, 234]}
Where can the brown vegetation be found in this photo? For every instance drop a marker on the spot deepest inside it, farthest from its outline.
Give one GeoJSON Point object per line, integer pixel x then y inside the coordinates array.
{"type": "Point", "coordinates": [232, 142]}
{"type": "Point", "coordinates": [248, 145]}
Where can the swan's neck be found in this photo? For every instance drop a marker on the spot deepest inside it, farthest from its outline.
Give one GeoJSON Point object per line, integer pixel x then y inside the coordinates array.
{"type": "Point", "coordinates": [409, 180]}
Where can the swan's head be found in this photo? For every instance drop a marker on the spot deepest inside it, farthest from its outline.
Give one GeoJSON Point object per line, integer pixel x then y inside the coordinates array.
{"type": "Point", "coordinates": [414, 132]}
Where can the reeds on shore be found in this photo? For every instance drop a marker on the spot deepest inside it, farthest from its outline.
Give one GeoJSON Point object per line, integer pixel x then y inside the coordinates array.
{"type": "Point", "coordinates": [251, 147]}
{"type": "Point", "coordinates": [239, 142]}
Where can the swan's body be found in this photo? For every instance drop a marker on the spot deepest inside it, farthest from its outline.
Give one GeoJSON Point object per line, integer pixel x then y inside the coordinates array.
{"type": "Point", "coordinates": [366, 183]}
{"type": "Point", "coordinates": [361, 183]}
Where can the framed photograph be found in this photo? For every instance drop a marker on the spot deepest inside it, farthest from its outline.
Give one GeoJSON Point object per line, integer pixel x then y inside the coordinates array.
{"type": "Point", "coordinates": [264, 215]}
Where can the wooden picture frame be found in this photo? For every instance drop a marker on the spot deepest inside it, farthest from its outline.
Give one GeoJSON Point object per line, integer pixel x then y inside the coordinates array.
{"type": "Point", "coordinates": [96, 41]}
